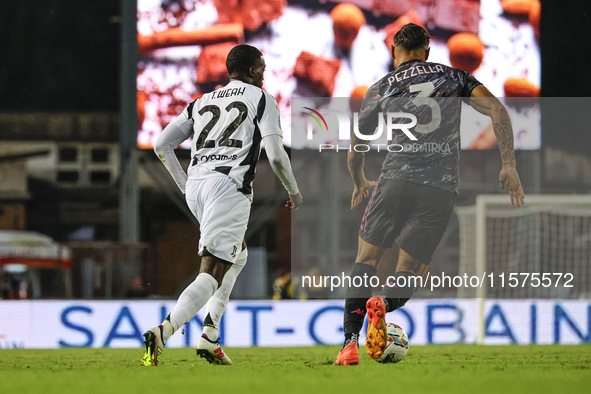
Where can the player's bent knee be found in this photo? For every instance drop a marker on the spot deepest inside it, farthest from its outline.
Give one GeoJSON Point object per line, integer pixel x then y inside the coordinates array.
{"type": "Point", "coordinates": [370, 262]}
{"type": "Point", "coordinates": [214, 266]}
{"type": "Point", "coordinates": [413, 266]}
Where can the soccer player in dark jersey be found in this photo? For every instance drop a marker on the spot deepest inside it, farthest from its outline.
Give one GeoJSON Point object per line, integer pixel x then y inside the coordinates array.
{"type": "Point", "coordinates": [413, 198]}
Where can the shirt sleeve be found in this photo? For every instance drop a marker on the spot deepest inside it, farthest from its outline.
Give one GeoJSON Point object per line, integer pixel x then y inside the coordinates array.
{"type": "Point", "coordinates": [269, 118]}
{"type": "Point", "coordinates": [185, 120]}
{"type": "Point", "coordinates": [368, 115]}
{"type": "Point", "coordinates": [280, 162]}
{"type": "Point", "coordinates": [468, 83]}
{"type": "Point", "coordinates": [172, 136]}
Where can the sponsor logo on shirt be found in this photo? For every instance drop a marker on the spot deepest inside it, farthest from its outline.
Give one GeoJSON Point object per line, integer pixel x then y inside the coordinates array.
{"type": "Point", "coordinates": [209, 158]}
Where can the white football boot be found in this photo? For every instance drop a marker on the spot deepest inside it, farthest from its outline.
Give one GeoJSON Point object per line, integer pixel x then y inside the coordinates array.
{"type": "Point", "coordinates": [212, 351]}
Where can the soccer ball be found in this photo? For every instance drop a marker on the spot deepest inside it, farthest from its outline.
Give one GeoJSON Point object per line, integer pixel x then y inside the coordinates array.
{"type": "Point", "coordinates": [397, 345]}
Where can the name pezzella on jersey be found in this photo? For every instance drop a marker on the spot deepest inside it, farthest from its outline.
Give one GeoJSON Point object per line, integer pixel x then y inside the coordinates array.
{"type": "Point", "coordinates": [413, 72]}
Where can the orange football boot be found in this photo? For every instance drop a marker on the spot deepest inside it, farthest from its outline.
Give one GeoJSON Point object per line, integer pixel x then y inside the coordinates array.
{"type": "Point", "coordinates": [377, 330]}
{"type": "Point", "coordinates": [349, 355]}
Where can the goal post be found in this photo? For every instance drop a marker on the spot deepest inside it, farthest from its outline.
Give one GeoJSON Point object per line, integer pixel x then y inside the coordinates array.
{"type": "Point", "coordinates": [549, 234]}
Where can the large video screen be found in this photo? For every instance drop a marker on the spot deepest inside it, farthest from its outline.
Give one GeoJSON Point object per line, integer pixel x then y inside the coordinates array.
{"type": "Point", "coordinates": [331, 48]}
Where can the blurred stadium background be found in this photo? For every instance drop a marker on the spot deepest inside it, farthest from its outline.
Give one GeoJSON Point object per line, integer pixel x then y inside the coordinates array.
{"type": "Point", "coordinates": [88, 213]}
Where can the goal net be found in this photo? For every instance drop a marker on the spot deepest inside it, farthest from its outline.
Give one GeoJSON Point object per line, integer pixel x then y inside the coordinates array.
{"type": "Point", "coordinates": [540, 250]}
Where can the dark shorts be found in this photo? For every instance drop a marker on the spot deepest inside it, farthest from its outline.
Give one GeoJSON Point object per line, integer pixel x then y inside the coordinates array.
{"type": "Point", "coordinates": [414, 216]}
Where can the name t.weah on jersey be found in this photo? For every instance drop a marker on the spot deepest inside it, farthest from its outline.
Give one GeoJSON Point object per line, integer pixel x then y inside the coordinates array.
{"type": "Point", "coordinates": [221, 93]}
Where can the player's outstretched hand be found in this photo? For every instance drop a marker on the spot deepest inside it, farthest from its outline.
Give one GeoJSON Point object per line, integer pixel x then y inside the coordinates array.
{"type": "Point", "coordinates": [509, 180]}
{"type": "Point", "coordinates": [359, 192]}
{"type": "Point", "coordinates": [295, 201]}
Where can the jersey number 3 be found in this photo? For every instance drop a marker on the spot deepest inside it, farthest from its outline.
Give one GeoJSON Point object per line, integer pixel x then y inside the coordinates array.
{"type": "Point", "coordinates": [423, 98]}
{"type": "Point", "coordinates": [224, 140]}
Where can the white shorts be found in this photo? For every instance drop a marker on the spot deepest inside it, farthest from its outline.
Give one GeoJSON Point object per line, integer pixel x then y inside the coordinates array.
{"type": "Point", "coordinates": [222, 212]}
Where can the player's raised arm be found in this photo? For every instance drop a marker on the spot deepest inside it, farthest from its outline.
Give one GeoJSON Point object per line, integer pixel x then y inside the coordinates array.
{"type": "Point", "coordinates": [173, 135]}
{"type": "Point", "coordinates": [282, 168]}
{"type": "Point", "coordinates": [270, 128]}
{"type": "Point", "coordinates": [368, 120]}
{"type": "Point", "coordinates": [484, 102]}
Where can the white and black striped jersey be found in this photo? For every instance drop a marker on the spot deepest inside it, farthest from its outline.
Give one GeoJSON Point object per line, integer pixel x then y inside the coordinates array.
{"type": "Point", "coordinates": [227, 126]}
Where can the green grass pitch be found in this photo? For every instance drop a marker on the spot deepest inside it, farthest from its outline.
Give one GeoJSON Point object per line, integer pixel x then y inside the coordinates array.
{"type": "Point", "coordinates": [426, 369]}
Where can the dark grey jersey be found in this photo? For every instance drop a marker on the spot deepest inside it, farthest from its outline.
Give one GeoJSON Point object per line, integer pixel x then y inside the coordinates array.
{"type": "Point", "coordinates": [432, 92]}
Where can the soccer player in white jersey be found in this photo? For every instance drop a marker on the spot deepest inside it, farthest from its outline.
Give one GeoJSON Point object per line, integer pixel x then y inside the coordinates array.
{"type": "Point", "coordinates": [227, 126]}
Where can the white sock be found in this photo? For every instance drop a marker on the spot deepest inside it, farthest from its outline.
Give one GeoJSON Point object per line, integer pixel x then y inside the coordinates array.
{"type": "Point", "coordinates": [192, 300]}
{"type": "Point", "coordinates": [167, 330]}
{"type": "Point", "coordinates": [211, 332]}
{"type": "Point", "coordinates": [216, 306]}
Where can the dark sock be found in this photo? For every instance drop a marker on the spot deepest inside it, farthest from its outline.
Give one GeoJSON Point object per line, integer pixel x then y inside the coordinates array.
{"type": "Point", "coordinates": [394, 303]}
{"type": "Point", "coordinates": [396, 296]}
{"type": "Point", "coordinates": [351, 337]}
{"type": "Point", "coordinates": [208, 321]}
{"type": "Point", "coordinates": [356, 297]}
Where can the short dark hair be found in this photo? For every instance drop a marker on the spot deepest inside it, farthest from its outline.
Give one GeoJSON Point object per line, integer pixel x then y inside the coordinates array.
{"type": "Point", "coordinates": [411, 37]}
{"type": "Point", "coordinates": [241, 58]}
